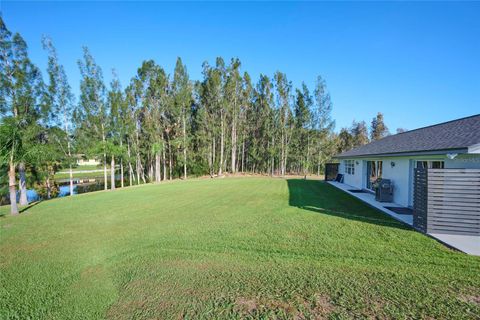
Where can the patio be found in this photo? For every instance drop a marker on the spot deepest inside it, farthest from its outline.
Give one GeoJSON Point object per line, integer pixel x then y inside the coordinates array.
{"type": "Point", "coordinates": [369, 198]}
{"type": "Point", "coordinates": [464, 243]}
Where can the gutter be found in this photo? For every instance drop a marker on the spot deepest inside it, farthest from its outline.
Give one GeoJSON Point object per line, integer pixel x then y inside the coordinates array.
{"type": "Point", "coordinates": [412, 153]}
{"type": "Point", "coordinates": [475, 149]}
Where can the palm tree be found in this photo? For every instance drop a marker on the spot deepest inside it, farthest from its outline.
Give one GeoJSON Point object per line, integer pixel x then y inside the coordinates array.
{"type": "Point", "coordinates": [10, 154]}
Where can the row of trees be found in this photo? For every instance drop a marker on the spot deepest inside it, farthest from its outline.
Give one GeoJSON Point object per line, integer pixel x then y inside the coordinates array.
{"type": "Point", "coordinates": [159, 126]}
{"type": "Point", "coordinates": [359, 134]}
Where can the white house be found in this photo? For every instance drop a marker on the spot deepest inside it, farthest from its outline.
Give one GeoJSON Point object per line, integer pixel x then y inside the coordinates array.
{"type": "Point", "coordinates": [450, 145]}
{"type": "Point", "coordinates": [82, 161]}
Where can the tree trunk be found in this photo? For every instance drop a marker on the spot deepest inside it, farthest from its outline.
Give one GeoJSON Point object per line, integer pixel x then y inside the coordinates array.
{"type": "Point", "coordinates": [130, 169]}
{"type": "Point", "coordinates": [71, 180]}
{"type": "Point", "coordinates": [121, 163]}
{"type": "Point", "coordinates": [285, 154]}
{"type": "Point", "coordinates": [130, 172]}
{"type": "Point", "coordinates": [210, 164]}
{"type": "Point", "coordinates": [158, 176]}
{"type": "Point", "coordinates": [69, 150]}
{"type": "Point", "coordinates": [105, 177]}
{"type": "Point", "coordinates": [234, 145]}
{"type": "Point", "coordinates": [184, 149]}
{"type": "Point", "coordinates": [138, 156]}
{"type": "Point", "coordinates": [243, 155]}
{"type": "Point", "coordinates": [213, 155]}
{"type": "Point", "coordinates": [12, 188]}
{"type": "Point", "coordinates": [164, 165]}
{"type": "Point", "coordinates": [273, 155]}
{"type": "Point", "coordinates": [307, 164]}
{"type": "Point", "coordinates": [282, 158]}
{"type": "Point", "coordinates": [170, 161]}
{"type": "Point", "coordinates": [319, 157]}
{"type": "Point", "coordinates": [23, 184]}
{"type": "Point", "coordinates": [150, 171]}
{"type": "Point", "coordinates": [237, 166]}
{"type": "Point", "coordinates": [143, 173]}
{"type": "Point", "coordinates": [112, 173]}
{"type": "Point", "coordinates": [285, 163]}
{"type": "Point", "coordinates": [49, 188]}
{"type": "Point", "coordinates": [121, 173]}
{"type": "Point", "coordinates": [222, 137]}
{"type": "Point", "coordinates": [138, 168]}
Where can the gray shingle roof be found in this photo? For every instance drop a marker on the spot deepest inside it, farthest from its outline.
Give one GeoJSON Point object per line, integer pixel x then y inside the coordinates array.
{"type": "Point", "coordinates": [455, 134]}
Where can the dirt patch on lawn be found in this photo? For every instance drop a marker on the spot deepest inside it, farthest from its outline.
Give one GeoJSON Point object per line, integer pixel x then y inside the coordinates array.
{"type": "Point", "coordinates": [471, 299]}
{"type": "Point", "coordinates": [244, 305]}
{"type": "Point", "coordinates": [318, 308]}
{"type": "Point", "coordinates": [92, 271]}
{"type": "Point", "coordinates": [151, 299]}
{"type": "Point", "coordinates": [252, 306]}
{"type": "Point", "coordinates": [322, 307]}
{"type": "Point", "coordinates": [89, 277]}
{"type": "Point", "coordinates": [148, 307]}
{"type": "Point", "coordinates": [28, 248]}
{"type": "Point", "coordinates": [196, 266]}
{"type": "Point", "coordinates": [375, 309]}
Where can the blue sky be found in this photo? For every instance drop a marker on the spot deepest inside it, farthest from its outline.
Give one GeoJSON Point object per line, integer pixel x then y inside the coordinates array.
{"type": "Point", "coordinates": [418, 63]}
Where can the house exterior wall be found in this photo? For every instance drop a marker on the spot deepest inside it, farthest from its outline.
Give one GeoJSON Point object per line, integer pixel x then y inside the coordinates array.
{"type": "Point", "coordinates": [466, 161]}
{"type": "Point", "coordinates": [401, 173]}
{"type": "Point", "coordinates": [84, 162]}
{"type": "Point", "coordinates": [358, 179]}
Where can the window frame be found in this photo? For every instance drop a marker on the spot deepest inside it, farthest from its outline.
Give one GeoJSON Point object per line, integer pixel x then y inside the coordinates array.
{"type": "Point", "coordinates": [349, 167]}
{"type": "Point", "coordinates": [430, 164]}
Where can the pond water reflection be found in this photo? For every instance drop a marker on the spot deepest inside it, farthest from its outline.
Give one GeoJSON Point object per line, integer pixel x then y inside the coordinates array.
{"type": "Point", "coordinates": [78, 188]}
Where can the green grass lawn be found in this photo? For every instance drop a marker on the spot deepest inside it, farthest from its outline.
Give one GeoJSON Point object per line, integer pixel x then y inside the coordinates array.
{"type": "Point", "coordinates": [86, 167]}
{"type": "Point", "coordinates": [226, 248]}
{"type": "Point", "coordinates": [83, 175]}
{"type": "Point", "coordinates": [77, 172]}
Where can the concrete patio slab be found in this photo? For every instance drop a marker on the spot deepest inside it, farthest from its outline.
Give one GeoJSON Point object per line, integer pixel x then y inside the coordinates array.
{"type": "Point", "coordinates": [467, 244]}
{"type": "Point", "coordinates": [369, 198]}
{"type": "Point", "coordinates": [464, 243]}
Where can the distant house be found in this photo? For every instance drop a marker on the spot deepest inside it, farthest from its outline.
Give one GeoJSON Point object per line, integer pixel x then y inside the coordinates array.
{"type": "Point", "coordinates": [83, 161]}
{"type": "Point", "coordinates": [449, 145]}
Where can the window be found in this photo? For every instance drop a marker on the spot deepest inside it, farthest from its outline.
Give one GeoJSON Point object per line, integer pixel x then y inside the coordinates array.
{"type": "Point", "coordinates": [349, 166]}
{"type": "Point", "coordinates": [438, 164]}
{"type": "Point", "coordinates": [430, 165]}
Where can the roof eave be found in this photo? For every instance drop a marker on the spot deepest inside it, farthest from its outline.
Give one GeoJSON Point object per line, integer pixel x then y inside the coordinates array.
{"type": "Point", "coordinates": [475, 149]}
{"type": "Point", "coordinates": [410, 153]}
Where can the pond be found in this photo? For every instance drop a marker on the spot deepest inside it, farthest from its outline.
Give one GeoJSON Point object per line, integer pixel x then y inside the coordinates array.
{"type": "Point", "coordinates": [78, 188]}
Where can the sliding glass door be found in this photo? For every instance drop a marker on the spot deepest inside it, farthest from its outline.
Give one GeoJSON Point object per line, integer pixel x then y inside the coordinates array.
{"type": "Point", "coordinates": [374, 171]}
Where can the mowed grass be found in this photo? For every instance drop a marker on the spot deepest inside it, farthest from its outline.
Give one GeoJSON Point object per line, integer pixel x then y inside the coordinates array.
{"type": "Point", "coordinates": [78, 172]}
{"type": "Point", "coordinates": [226, 248]}
{"type": "Point", "coordinates": [82, 175]}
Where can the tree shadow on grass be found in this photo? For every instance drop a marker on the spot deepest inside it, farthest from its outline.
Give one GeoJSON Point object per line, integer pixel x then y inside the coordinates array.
{"type": "Point", "coordinates": [31, 205]}
{"type": "Point", "coordinates": [319, 196]}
